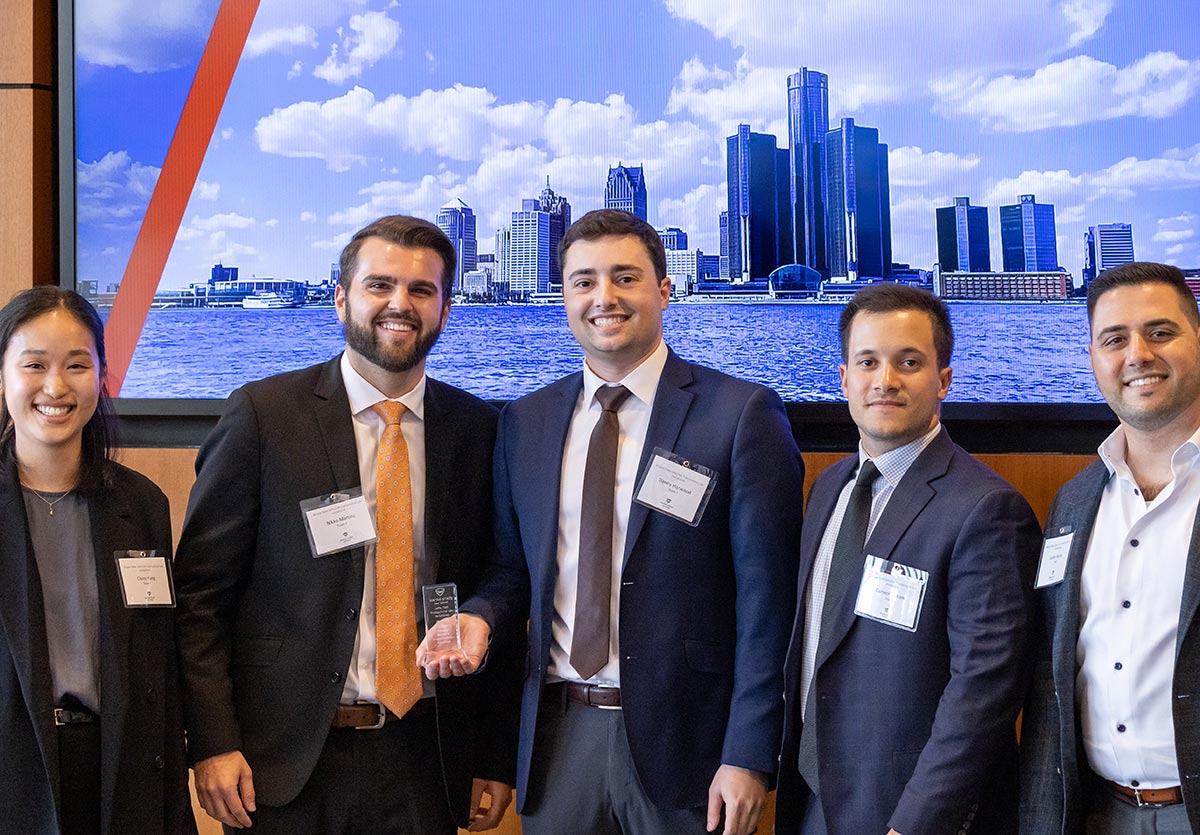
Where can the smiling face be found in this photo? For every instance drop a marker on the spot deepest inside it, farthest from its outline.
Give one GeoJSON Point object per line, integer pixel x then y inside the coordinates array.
{"type": "Point", "coordinates": [1145, 353]}
{"type": "Point", "coordinates": [891, 379]}
{"type": "Point", "coordinates": [393, 311]}
{"type": "Point", "coordinates": [614, 302]}
{"type": "Point", "coordinates": [50, 381]}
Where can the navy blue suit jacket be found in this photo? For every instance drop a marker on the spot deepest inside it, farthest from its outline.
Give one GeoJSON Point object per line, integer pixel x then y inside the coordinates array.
{"type": "Point", "coordinates": [704, 611]}
{"type": "Point", "coordinates": [1055, 777]}
{"type": "Point", "coordinates": [916, 730]}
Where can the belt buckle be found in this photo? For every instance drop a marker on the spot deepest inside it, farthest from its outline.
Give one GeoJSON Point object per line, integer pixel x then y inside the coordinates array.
{"type": "Point", "coordinates": [378, 724]}
{"type": "Point", "coordinates": [62, 716]}
{"type": "Point", "coordinates": [1145, 804]}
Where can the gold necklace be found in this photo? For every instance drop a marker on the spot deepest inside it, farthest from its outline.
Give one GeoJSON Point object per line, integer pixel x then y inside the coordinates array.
{"type": "Point", "coordinates": [49, 504]}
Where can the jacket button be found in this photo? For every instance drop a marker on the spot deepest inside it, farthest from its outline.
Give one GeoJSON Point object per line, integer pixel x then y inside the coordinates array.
{"type": "Point", "coordinates": [335, 677]}
{"type": "Point", "coordinates": [151, 695]}
{"type": "Point", "coordinates": [351, 613]}
{"type": "Point", "coordinates": [159, 762]}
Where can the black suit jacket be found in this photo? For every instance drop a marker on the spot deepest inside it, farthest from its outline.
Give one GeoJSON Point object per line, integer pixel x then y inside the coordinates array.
{"type": "Point", "coordinates": [143, 774]}
{"type": "Point", "coordinates": [916, 730]}
{"type": "Point", "coordinates": [1055, 777]}
{"type": "Point", "coordinates": [266, 632]}
{"type": "Point", "coordinates": [704, 610]}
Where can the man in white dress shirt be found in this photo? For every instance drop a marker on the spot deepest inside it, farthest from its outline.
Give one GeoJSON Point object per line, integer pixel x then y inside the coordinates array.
{"type": "Point", "coordinates": [1111, 741]}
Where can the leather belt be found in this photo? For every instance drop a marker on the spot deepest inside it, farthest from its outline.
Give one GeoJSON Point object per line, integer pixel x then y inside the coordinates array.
{"type": "Point", "coordinates": [363, 717]}
{"type": "Point", "coordinates": [593, 695]}
{"type": "Point", "coordinates": [1148, 797]}
{"type": "Point", "coordinates": [62, 716]}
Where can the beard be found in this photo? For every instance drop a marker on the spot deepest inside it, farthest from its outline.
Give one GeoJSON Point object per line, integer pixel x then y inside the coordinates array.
{"type": "Point", "coordinates": [391, 358]}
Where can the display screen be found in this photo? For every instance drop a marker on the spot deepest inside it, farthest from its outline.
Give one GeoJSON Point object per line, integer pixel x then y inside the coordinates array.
{"type": "Point", "coordinates": [999, 153]}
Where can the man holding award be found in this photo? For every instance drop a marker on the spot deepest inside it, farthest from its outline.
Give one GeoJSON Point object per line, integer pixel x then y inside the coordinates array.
{"type": "Point", "coordinates": [648, 520]}
{"type": "Point", "coordinates": [330, 505]}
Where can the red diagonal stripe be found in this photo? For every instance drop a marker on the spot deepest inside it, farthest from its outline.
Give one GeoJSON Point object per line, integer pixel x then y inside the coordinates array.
{"type": "Point", "coordinates": [175, 183]}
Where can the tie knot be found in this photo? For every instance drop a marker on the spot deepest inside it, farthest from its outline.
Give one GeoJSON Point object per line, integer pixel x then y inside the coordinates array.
{"type": "Point", "coordinates": [867, 475]}
{"type": "Point", "coordinates": [610, 398]}
{"type": "Point", "coordinates": [390, 410]}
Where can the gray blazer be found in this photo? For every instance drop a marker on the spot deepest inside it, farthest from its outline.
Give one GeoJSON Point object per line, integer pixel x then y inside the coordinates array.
{"type": "Point", "coordinates": [1055, 778]}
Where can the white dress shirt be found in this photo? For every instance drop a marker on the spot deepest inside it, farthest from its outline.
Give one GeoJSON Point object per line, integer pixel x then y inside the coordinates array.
{"type": "Point", "coordinates": [1129, 602]}
{"type": "Point", "coordinates": [892, 466]}
{"type": "Point", "coordinates": [368, 430]}
{"type": "Point", "coordinates": [634, 419]}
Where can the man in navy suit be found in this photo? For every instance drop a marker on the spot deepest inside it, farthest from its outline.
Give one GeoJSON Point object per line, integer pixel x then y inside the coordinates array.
{"type": "Point", "coordinates": [904, 673]}
{"type": "Point", "coordinates": [656, 567]}
{"type": "Point", "coordinates": [1111, 736]}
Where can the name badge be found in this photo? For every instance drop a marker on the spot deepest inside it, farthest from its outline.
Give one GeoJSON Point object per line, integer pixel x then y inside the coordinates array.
{"type": "Point", "coordinates": [1052, 566]}
{"type": "Point", "coordinates": [337, 522]}
{"type": "Point", "coordinates": [676, 487]}
{"type": "Point", "coordinates": [146, 580]}
{"type": "Point", "coordinates": [891, 593]}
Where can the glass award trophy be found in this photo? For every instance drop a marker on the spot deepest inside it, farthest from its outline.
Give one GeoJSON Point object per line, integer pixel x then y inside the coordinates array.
{"type": "Point", "coordinates": [441, 617]}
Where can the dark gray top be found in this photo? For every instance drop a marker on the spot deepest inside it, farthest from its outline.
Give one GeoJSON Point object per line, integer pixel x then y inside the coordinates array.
{"type": "Point", "coordinates": [62, 548]}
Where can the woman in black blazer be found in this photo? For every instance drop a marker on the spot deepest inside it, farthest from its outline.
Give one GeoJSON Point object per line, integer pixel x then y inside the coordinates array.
{"type": "Point", "coordinates": [91, 739]}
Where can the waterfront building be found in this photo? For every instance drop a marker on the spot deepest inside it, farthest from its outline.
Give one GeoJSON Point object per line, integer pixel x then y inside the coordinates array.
{"type": "Point", "coordinates": [858, 217]}
{"type": "Point", "coordinates": [683, 269]}
{"type": "Point", "coordinates": [559, 210]}
{"type": "Point", "coordinates": [458, 222]}
{"type": "Point", "coordinates": [626, 190]}
{"type": "Point", "coordinates": [1007, 285]}
{"type": "Point", "coordinates": [335, 273]}
{"type": "Point", "coordinates": [759, 214]}
{"type": "Point", "coordinates": [962, 237]}
{"type": "Point", "coordinates": [723, 258]}
{"type": "Point", "coordinates": [503, 236]}
{"type": "Point", "coordinates": [222, 273]}
{"type": "Point", "coordinates": [1027, 236]}
{"type": "Point", "coordinates": [673, 238]}
{"type": "Point", "coordinates": [794, 281]}
{"type": "Point", "coordinates": [808, 123]}
{"type": "Point", "coordinates": [529, 251]}
{"type": "Point", "coordinates": [708, 267]}
{"type": "Point", "coordinates": [477, 283]}
{"type": "Point", "coordinates": [1105, 246]}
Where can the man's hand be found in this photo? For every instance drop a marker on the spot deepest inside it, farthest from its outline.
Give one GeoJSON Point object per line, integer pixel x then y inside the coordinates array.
{"type": "Point", "coordinates": [225, 788]}
{"type": "Point", "coordinates": [744, 795]}
{"type": "Point", "coordinates": [474, 633]}
{"type": "Point", "coordinates": [488, 817]}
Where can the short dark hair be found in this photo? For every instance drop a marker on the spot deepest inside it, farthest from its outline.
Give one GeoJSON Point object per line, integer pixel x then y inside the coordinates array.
{"type": "Point", "coordinates": [888, 297]}
{"type": "Point", "coordinates": [99, 431]}
{"type": "Point", "coordinates": [1143, 272]}
{"type": "Point", "coordinates": [605, 223]}
{"type": "Point", "coordinates": [406, 231]}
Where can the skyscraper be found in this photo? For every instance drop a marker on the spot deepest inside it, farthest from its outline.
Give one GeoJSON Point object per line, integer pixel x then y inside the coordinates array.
{"type": "Point", "coordinates": [532, 265]}
{"type": "Point", "coordinates": [503, 239]}
{"type": "Point", "coordinates": [858, 216]}
{"type": "Point", "coordinates": [458, 222]}
{"type": "Point", "coordinates": [1027, 236]}
{"type": "Point", "coordinates": [723, 262]}
{"type": "Point", "coordinates": [626, 190]}
{"type": "Point", "coordinates": [673, 238]}
{"type": "Point", "coordinates": [1106, 245]}
{"type": "Point", "coordinates": [808, 122]}
{"type": "Point", "coordinates": [559, 210]}
{"type": "Point", "coordinates": [962, 237]}
{"type": "Point", "coordinates": [759, 217]}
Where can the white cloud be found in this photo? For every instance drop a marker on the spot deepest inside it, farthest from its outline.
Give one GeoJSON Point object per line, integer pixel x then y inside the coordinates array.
{"type": "Point", "coordinates": [207, 191]}
{"type": "Point", "coordinates": [114, 190]}
{"type": "Point", "coordinates": [373, 35]}
{"type": "Point", "coordinates": [337, 242]}
{"type": "Point", "coordinates": [272, 223]}
{"type": "Point", "coordinates": [696, 213]}
{"type": "Point", "coordinates": [308, 217]}
{"type": "Point", "coordinates": [109, 250]}
{"type": "Point", "coordinates": [1173, 235]}
{"type": "Point", "coordinates": [227, 134]}
{"type": "Point", "coordinates": [912, 166]}
{"type": "Point", "coordinates": [1076, 91]}
{"type": "Point", "coordinates": [296, 70]}
{"type": "Point", "coordinates": [1177, 229]}
{"type": "Point", "coordinates": [142, 37]}
{"type": "Point", "coordinates": [228, 220]}
{"type": "Point", "coordinates": [282, 40]}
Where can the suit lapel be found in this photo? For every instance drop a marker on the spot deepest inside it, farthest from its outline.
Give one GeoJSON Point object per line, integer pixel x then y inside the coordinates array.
{"type": "Point", "coordinates": [335, 422]}
{"type": "Point", "coordinates": [821, 503]}
{"type": "Point", "coordinates": [671, 404]}
{"type": "Point", "coordinates": [1191, 586]}
{"type": "Point", "coordinates": [542, 480]}
{"type": "Point", "coordinates": [441, 438]}
{"type": "Point", "coordinates": [111, 530]}
{"type": "Point", "coordinates": [23, 621]}
{"type": "Point", "coordinates": [910, 497]}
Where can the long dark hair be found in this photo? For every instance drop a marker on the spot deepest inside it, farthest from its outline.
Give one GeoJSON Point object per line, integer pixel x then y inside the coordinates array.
{"type": "Point", "coordinates": [98, 432]}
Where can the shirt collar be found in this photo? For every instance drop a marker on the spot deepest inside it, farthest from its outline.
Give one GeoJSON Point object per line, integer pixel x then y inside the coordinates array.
{"type": "Point", "coordinates": [642, 381]}
{"type": "Point", "coordinates": [1114, 449]}
{"type": "Point", "coordinates": [362, 395]}
{"type": "Point", "coordinates": [894, 463]}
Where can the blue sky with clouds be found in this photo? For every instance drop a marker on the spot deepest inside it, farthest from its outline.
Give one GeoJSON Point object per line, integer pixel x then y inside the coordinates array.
{"type": "Point", "coordinates": [344, 110]}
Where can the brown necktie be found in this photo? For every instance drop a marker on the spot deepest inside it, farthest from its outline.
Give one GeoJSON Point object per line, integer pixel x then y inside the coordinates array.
{"type": "Point", "coordinates": [590, 635]}
{"type": "Point", "coordinates": [397, 678]}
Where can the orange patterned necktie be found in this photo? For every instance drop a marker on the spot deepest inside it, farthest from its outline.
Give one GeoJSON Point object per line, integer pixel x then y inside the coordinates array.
{"type": "Point", "coordinates": [397, 678]}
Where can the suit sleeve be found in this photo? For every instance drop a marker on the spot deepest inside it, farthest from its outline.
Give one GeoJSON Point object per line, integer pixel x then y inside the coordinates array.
{"type": "Point", "coordinates": [989, 624]}
{"type": "Point", "coordinates": [215, 552]}
{"type": "Point", "coordinates": [765, 513]}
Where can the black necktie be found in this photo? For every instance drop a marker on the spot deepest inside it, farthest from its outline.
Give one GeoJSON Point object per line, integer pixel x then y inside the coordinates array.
{"type": "Point", "coordinates": [845, 566]}
{"type": "Point", "coordinates": [590, 634]}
